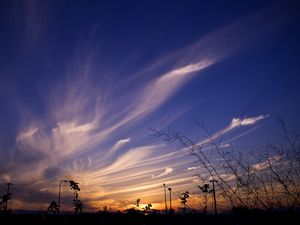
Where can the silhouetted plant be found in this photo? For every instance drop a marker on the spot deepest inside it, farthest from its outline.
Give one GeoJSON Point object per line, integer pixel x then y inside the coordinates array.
{"type": "Point", "coordinates": [147, 209]}
{"type": "Point", "coordinates": [53, 207]}
{"type": "Point", "coordinates": [183, 200]}
{"type": "Point", "coordinates": [74, 185]}
{"type": "Point", "coordinates": [77, 203]}
{"type": "Point", "coordinates": [136, 208]}
{"type": "Point", "coordinates": [205, 189]}
{"type": "Point", "coordinates": [5, 198]}
{"type": "Point", "coordinates": [137, 204]}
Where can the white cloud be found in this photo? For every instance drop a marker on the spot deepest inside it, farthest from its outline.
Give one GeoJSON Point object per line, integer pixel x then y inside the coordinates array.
{"type": "Point", "coordinates": [72, 127]}
{"type": "Point", "coordinates": [225, 177]}
{"type": "Point", "coordinates": [193, 168]}
{"type": "Point", "coordinates": [162, 88]}
{"type": "Point", "coordinates": [236, 122]}
{"type": "Point", "coordinates": [129, 159]}
{"type": "Point", "coordinates": [155, 93]}
{"type": "Point", "coordinates": [263, 165]}
{"type": "Point", "coordinates": [27, 134]}
{"type": "Point", "coordinates": [5, 178]}
{"type": "Point", "coordinates": [167, 171]}
{"type": "Point", "coordinates": [119, 144]}
{"type": "Point", "coordinates": [224, 145]}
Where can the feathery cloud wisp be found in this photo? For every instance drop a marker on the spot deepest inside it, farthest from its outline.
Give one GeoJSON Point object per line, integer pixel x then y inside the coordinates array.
{"type": "Point", "coordinates": [193, 168]}
{"type": "Point", "coordinates": [246, 121]}
{"type": "Point", "coordinates": [167, 171]}
{"type": "Point", "coordinates": [119, 144]}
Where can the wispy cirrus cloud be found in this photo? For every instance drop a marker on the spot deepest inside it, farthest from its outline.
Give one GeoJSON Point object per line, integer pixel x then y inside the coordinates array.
{"type": "Point", "coordinates": [236, 123]}
{"type": "Point", "coordinates": [119, 144]}
{"type": "Point", "coordinates": [27, 134]}
{"type": "Point", "coordinates": [130, 158]}
{"type": "Point", "coordinates": [167, 171]}
{"type": "Point", "coordinates": [157, 92]}
{"type": "Point", "coordinates": [265, 164]}
{"type": "Point", "coordinates": [193, 168]}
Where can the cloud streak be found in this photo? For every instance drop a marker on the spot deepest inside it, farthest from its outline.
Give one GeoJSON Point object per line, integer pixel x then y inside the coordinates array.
{"type": "Point", "coordinates": [167, 171]}
{"type": "Point", "coordinates": [236, 123]}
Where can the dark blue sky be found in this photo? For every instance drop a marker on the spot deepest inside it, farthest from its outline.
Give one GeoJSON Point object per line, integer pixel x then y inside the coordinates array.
{"type": "Point", "coordinates": [81, 83]}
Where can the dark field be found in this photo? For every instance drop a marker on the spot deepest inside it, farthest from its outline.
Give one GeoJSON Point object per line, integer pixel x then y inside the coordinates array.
{"type": "Point", "coordinates": [251, 218]}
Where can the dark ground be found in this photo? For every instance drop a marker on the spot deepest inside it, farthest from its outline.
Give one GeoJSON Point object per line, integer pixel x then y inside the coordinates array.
{"type": "Point", "coordinates": [237, 218]}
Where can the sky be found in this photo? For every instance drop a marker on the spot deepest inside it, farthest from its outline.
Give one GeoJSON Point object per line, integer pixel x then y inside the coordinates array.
{"type": "Point", "coordinates": [83, 83]}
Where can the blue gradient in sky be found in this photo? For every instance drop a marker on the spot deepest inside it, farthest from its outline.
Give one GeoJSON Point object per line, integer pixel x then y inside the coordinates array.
{"type": "Point", "coordinates": [81, 83]}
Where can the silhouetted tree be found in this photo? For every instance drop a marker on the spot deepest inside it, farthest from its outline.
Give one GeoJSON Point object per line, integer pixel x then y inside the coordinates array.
{"type": "Point", "coordinates": [6, 197]}
{"type": "Point", "coordinates": [147, 209]}
{"type": "Point", "coordinates": [53, 207]}
{"type": "Point", "coordinates": [183, 200]}
{"type": "Point", "coordinates": [204, 188]}
{"type": "Point", "coordinates": [138, 202]}
{"type": "Point", "coordinates": [74, 185]}
{"type": "Point", "coordinates": [77, 203]}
